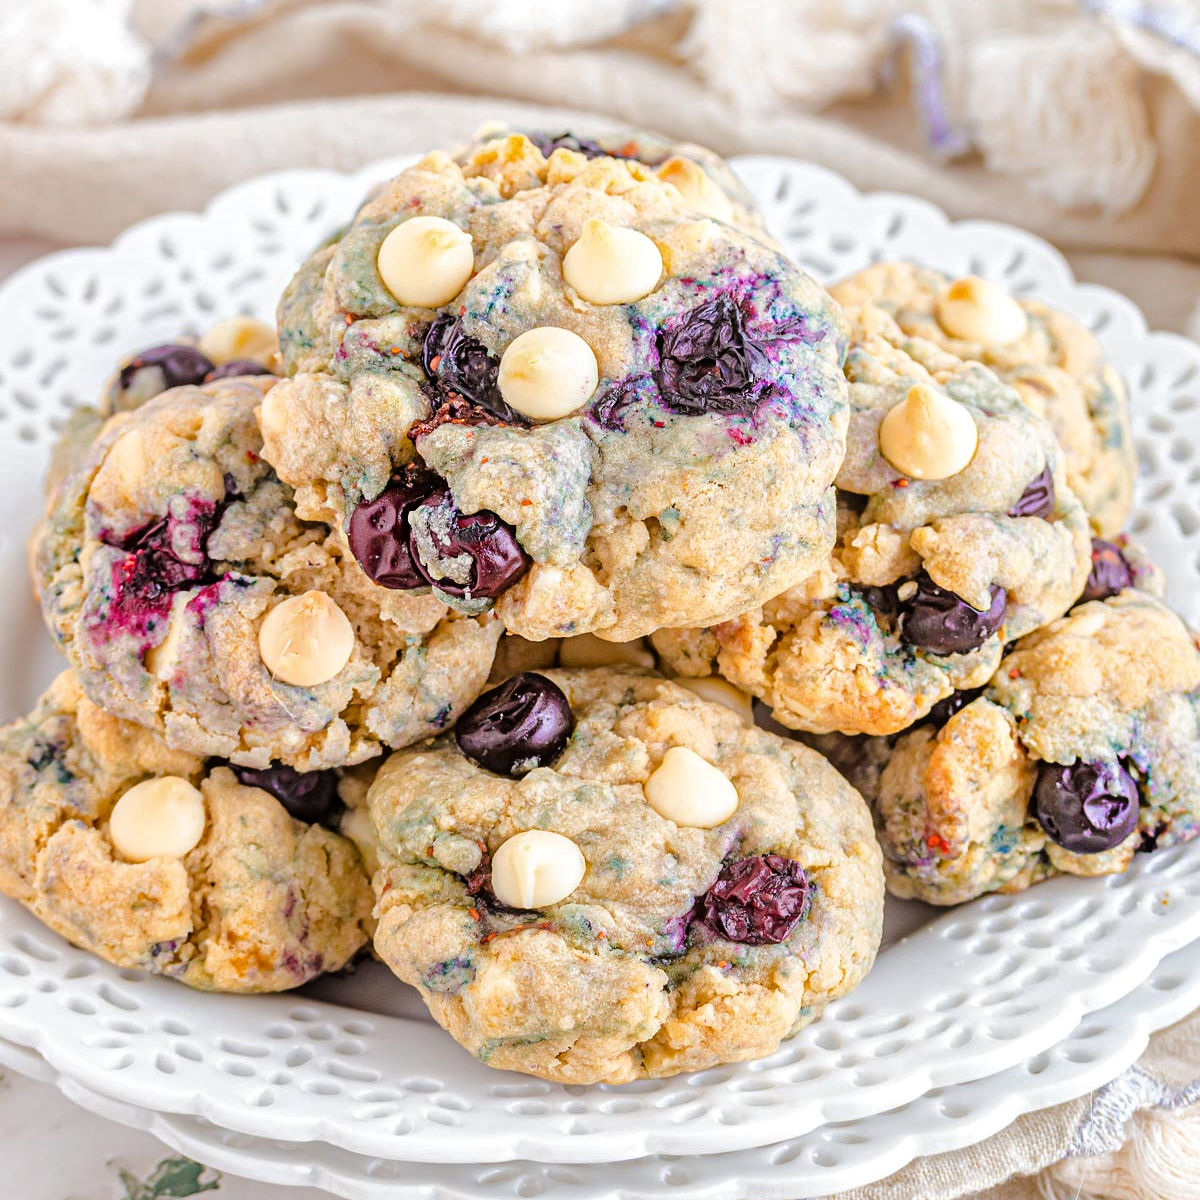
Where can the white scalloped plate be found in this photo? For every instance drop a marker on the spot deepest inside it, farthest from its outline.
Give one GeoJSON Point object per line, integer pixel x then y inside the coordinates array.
{"type": "Point", "coordinates": [831, 1159]}
{"type": "Point", "coordinates": [975, 992]}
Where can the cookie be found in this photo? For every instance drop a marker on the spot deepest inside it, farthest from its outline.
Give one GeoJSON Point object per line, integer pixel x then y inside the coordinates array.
{"type": "Point", "coordinates": [222, 353]}
{"type": "Point", "coordinates": [153, 858]}
{"type": "Point", "coordinates": [1082, 750]}
{"type": "Point", "coordinates": [958, 532]}
{"type": "Point", "coordinates": [602, 877]}
{"type": "Point", "coordinates": [1055, 364]}
{"type": "Point", "coordinates": [233, 346]}
{"type": "Point", "coordinates": [703, 178]}
{"type": "Point", "coordinates": [584, 389]}
{"type": "Point", "coordinates": [181, 585]}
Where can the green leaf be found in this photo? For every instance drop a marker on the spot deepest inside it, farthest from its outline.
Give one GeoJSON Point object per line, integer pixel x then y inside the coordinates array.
{"type": "Point", "coordinates": [173, 1177]}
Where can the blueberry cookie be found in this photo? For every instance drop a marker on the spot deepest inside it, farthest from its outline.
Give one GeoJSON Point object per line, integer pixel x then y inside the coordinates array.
{"type": "Point", "coordinates": [1083, 749]}
{"type": "Point", "coordinates": [235, 346]}
{"type": "Point", "coordinates": [703, 178]}
{"type": "Point", "coordinates": [958, 532]}
{"type": "Point", "coordinates": [177, 579]}
{"type": "Point", "coordinates": [153, 858]}
{"type": "Point", "coordinates": [601, 877]}
{"type": "Point", "coordinates": [1055, 364]}
{"type": "Point", "coordinates": [553, 387]}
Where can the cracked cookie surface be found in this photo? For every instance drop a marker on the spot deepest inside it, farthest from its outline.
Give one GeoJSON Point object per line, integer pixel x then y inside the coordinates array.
{"type": "Point", "coordinates": [634, 972]}
{"type": "Point", "coordinates": [719, 406]}
{"type": "Point", "coordinates": [1096, 716]}
{"type": "Point", "coordinates": [262, 902]}
{"type": "Point", "coordinates": [714, 190]}
{"type": "Point", "coordinates": [171, 546]}
{"type": "Point", "coordinates": [929, 579]}
{"type": "Point", "coordinates": [1055, 364]}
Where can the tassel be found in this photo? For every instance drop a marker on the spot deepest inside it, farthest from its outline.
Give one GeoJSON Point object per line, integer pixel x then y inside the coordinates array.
{"type": "Point", "coordinates": [1065, 112]}
{"type": "Point", "coordinates": [70, 62]}
{"type": "Point", "coordinates": [1161, 1158]}
{"type": "Point", "coordinates": [777, 52]}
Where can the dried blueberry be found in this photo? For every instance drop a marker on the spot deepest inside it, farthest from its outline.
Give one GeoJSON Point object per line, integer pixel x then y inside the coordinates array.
{"type": "Point", "coordinates": [467, 555]}
{"type": "Point", "coordinates": [379, 532]}
{"type": "Point", "coordinates": [937, 620]}
{"type": "Point", "coordinates": [169, 366]}
{"type": "Point", "coordinates": [524, 723]}
{"type": "Point", "coordinates": [1037, 500]}
{"type": "Point", "coordinates": [1110, 574]}
{"type": "Point", "coordinates": [152, 569]}
{"type": "Point", "coordinates": [308, 796]}
{"type": "Point", "coordinates": [943, 710]}
{"type": "Point", "coordinates": [238, 366]}
{"type": "Point", "coordinates": [708, 362]}
{"type": "Point", "coordinates": [548, 143]}
{"type": "Point", "coordinates": [458, 365]}
{"type": "Point", "coordinates": [1086, 807]}
{"type": "Point", "coordinates": [756, 901]}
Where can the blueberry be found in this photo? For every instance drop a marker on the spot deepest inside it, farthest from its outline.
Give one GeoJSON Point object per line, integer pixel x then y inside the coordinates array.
{"type": "Point", "coordinates": [1037, 500]}
{"type": "Point", "coordinates": [943, 710]}
{"type": "Point", "coordinates": [524, 723]}
{"type": "Point", "coordinates": [548, 143]}
{"type": "Point", "coordinates": [460, 366]}
{"type": "Point", "coordinates": [467, 555]}
{"type": "Point", "coordinates": [708, 362]}
{"type": "Point", "coordinates": [379, 531]}
{"type": "Point", "coordinates": [937, 620]}
{"type": "Point", "coordinates": [1110, 574]}
{"type": "Point", "coordinates": [164, 367]}
{"type": "Point", "coordinates": [238, 366]}
{"type": "Point", "coordinates": [756, 901]}
{"type": "Point", "coordinates": [1086, 807]}
{"type": "Point", "coordinates": [152, 569]}
{"type": "Point", "coordinates": [309, 796]}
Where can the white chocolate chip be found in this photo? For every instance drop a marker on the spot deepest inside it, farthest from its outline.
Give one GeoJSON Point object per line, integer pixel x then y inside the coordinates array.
{"type": "Point", "coordinates": [273, 413]}
{"type": "Point", "coordinates": [356, 824]}
{"type": "Point", "coordinates": [928, 435]}
{"type": "Point", "coordinates": [907, 590]}
{"type": "Point", "coordinates": [1086, 624]}
{"type": "Point", "coordinates": [690, 791]}
{"type": "Point", "coordinates": [306, 640]}
{"type": "Point", "coordinates": [242, 337]}
{"type": "Point", "coordinates": [721, 691]}
{"type": "Point", "coordinates": [696, 187]}
{"type": "Point", "coordinates": [587, 650]}
{"type": "Point", "coordinates": [165, 659]}
{"type": "Point", "coordinates": [548, 372]}
{"type": "Point", "coordinates": [426, 261]}
{"type": "Point", "coordinates": [536, 868]}
{"type": "Point", "coordinates": [157, 818]}
{"type": "Point", "coordinates": [612, 265]}
{"type": "Point", "coordinates": [125, 463]}
{"type": "Point", "coordinates": [979, 311]}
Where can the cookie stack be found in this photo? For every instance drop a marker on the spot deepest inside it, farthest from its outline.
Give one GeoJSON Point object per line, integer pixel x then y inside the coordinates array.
{"type": "Point", "coordinates": [538, 602]}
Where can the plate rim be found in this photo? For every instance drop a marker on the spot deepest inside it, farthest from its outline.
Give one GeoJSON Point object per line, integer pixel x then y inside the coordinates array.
{"type": "Point", "coordinates": [1131, 323]}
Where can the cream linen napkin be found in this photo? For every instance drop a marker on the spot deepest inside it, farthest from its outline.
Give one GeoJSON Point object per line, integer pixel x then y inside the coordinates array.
{"type": "Point", "coordinates": [339, 84]}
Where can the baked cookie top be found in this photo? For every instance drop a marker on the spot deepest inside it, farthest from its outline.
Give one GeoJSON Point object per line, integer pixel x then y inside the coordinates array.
{"type": "Point", "coordinates": [554, 387]}
{"type": "Point", "coordinates": [153, 858]}
{"type": "Point", "coordinates": [1083, 749]}
{"type": "Point", "coordinates": [703, 178]}
{"type": "Point", "coordinates": [181, 585]}
{"type": "Point", "coordinates": [1053, 361]}
{"type": "Point", "coordinates": [957, 532]}
{"type": "Point", "coordinates": [605, 877]}
{"type": "Point", "coordinates": [232, 347]}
